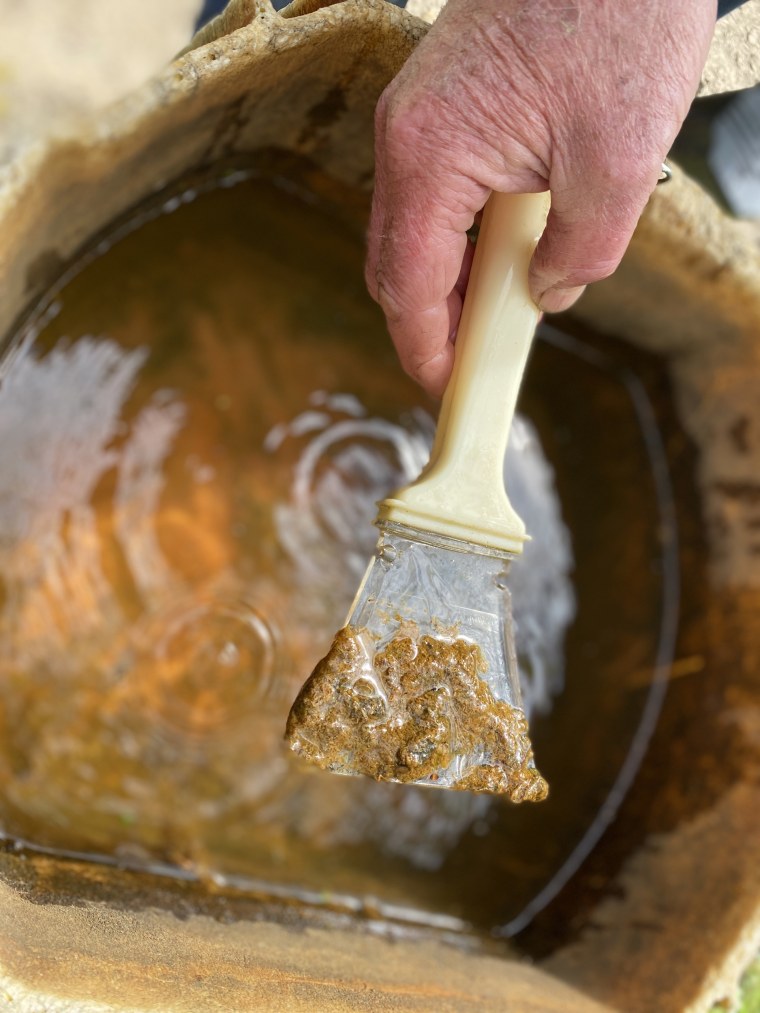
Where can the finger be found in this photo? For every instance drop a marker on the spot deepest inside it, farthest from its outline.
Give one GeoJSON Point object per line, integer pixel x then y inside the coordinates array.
{"type": "Point", "coordinates": [418, 249]}
{"type": "Point", "coordinates": [589, 227]}
{"type": "Point", "coordinates": [420, 266]}
{"type": "Point", "coordinates": [455, 299]}
{"type": "Point", "coordinates": [464, 270]}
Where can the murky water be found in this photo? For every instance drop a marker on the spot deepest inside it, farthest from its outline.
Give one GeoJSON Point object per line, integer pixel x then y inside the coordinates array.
{"type": "Point", "coordinates": [192, 439]}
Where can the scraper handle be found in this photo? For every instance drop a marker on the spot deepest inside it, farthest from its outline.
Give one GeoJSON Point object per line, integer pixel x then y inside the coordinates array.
{"type": "Point", "coordinates": [460, 494]}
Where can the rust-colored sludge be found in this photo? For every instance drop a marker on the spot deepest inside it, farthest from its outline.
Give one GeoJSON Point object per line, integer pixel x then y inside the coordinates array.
{"type": "Point", "coordinates": [408, 713]}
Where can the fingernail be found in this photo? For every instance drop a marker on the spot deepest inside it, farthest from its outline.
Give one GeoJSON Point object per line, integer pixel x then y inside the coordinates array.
{"type": "Point", "coordinates": [557, 298]}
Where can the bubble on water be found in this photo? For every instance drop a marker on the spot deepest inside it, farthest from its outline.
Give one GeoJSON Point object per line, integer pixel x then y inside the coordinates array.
{"type": "Point", "coordinates": [204, 666]}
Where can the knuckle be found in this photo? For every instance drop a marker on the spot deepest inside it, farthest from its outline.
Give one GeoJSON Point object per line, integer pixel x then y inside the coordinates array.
{"type": "Point", "coordinates": [416, 364]}
{"type": "Point", "coordinates": [623, 168]}
{"type": "Point", "coordinates": [388, 294]}
{"type": "Point", "coordinates": [370, 279]}
{"type": "Point", "coordinates": [426, 370]}
{"type": "Point", "coordinates": [575, 260]}
{"type": "Point", "coordinates": [404, 133]}
{"type": "Point", "coordinates": [587, 273]}
{"type": "Point", "coordinates": [410, 129]}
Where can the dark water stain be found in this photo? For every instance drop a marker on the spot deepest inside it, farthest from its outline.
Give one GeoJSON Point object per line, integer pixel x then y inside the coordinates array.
{"type": "Point", "coordinates": [324, 113]}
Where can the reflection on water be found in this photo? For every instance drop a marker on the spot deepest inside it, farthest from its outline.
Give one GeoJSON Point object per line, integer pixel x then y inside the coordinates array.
{"type": "Point", "coordinates": [191, 449]}
{"type": "Point", "coordinates": [348, 461]}
{"type": "Point", "coordinates": [186, 683]}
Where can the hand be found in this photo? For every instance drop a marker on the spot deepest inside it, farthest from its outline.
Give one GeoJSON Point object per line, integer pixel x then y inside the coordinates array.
{"type": "Point", "coordinates": [584, 98]}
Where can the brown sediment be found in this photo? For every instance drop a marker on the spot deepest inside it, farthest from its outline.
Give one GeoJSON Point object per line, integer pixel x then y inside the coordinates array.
{"type": "Point", "coordinates": [408, 712]}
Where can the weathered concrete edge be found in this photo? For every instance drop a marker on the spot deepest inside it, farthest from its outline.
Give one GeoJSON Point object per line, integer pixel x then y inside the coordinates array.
{"type": "Point", "coordinates": [163, 963]}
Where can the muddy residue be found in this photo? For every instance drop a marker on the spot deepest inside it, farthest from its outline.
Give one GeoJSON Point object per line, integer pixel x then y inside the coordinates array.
{"type": "Point", "coordinates": [418, 711]}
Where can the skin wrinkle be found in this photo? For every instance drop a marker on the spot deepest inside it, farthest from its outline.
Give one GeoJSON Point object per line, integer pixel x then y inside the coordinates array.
{"type": "Point", "coordinates": [524, 74]}
{"type": "Point", "coordinates": [417, 368]}
{"type": "Point", "coordinates": [498, 127]}
{"type": "Point", "coordinates": [419, 237]}
{"type": "Point", "coordinates": [393, 299]}
{"type": "Point", "coordinates": [436, 116]}
{"type": "Point", "coordinates": [507, 95]}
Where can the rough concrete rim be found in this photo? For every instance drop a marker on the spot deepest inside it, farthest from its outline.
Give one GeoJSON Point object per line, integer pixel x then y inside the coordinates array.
{"type": "Point", "coordinates": [726, 270]}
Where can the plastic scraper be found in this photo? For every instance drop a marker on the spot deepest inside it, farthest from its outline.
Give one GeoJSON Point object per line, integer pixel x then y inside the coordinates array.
{"type": "Point", "coordinates": [421, 684]}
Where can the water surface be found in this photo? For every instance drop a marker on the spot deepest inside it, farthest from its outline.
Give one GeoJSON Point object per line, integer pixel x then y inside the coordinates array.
{"type": "Point", "coordinates": [192, 437]}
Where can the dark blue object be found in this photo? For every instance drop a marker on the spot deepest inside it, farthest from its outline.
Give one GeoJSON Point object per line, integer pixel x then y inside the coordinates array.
{"type": "Point", "coordinates": [726, 6]}
{"type": "Point", "coordinates": [209, 10]}
{"type": "Point", "coordinates": [213, 7]}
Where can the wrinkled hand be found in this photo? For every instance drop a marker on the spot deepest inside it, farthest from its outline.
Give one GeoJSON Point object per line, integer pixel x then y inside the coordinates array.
{"type": "Point", "coordinates": [584, 98]}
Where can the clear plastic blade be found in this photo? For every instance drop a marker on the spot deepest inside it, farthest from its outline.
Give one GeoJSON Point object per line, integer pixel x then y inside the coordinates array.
{"type": "Point", "coordinates": [421, 685]}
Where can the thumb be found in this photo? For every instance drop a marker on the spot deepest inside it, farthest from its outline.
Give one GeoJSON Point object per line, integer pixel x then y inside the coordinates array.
{"type": "Point", "coordinates": [587, 233]}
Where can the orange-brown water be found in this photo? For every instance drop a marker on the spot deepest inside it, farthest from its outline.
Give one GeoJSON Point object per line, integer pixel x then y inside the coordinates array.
{"type": "Point", "coordinates": [177, 547]}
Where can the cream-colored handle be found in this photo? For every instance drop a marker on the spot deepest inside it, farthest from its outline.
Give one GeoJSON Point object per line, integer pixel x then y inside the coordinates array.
{"type": "Point", "coordinates": [460, 494]}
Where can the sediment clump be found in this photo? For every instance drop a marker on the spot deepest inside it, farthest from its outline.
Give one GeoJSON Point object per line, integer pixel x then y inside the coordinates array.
{"type": "Point", "coordinates": [410, 710]}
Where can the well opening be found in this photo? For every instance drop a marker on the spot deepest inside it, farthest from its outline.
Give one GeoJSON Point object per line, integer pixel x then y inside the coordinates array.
{"type": "Point", "coordinates": [254, 262]}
